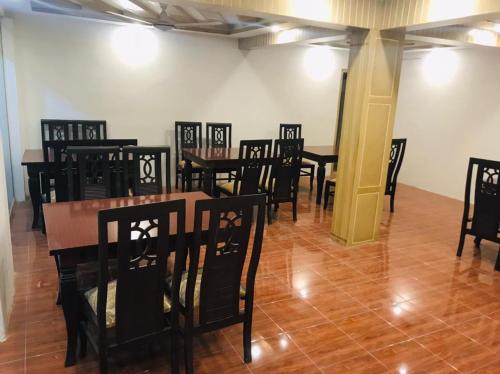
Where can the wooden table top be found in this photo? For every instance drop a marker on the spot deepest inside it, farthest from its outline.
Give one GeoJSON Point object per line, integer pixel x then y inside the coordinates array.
{"type": "Point", "coordinates": [32, 156]}
{"type": "Point", "coordinates": [73, 224]}
{"type": "Point", "coordinates": [219, 154]}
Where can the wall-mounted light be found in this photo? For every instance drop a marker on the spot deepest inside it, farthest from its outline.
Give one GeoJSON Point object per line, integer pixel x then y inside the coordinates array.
{"type": "Point", "coordinates": [440, 66]}
{"type": "Point", "coordinates": [275, 28]}
{"type": "Point", "coordinates": [135, 45]}
{"type": "Point", "coordinates": [483, 37]}
{"type": "Point", "coordinates": [319, 10]}
{"type": "Point", "coordinates": [319, 63]}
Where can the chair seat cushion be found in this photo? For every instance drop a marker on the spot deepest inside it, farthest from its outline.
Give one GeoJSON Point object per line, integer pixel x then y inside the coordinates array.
{"type": "Point", "coordinates": [91, 296]}
{"type": "Point", "coordinates": [308, 162]}
{"type": "Point", "coordinates": [182, 165]}
{"type": "Point", "coordinates": [228, 187]}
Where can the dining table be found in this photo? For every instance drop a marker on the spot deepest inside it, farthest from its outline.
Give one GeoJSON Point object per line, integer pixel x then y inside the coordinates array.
{"type": "Point", "coordinates": [72, 237]}
{"type": "Point", "coordinates": [39, 161]}
{"type": "Point", "coordinates": [213, 159]}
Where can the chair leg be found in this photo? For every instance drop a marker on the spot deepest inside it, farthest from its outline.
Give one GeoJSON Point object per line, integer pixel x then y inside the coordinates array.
{"type": "Point", "coordinates": [176, 180]}
{"type": "Point", "coordinates": [174, 353]}
{"type": "Point", "coordinates": [276, 207]}
{"type": "Point", "coordinates": [200, 180]}
{"type": "Point", "coordinates": [326, 196]}
{"type": "Point", "coordinates": [392, 202]}
{"type": "Point", "coordinates": [294, 209]}
{"type": "Point", "coordinates": [477, 241]}
{"type": "Point", "coordinates": [247, 340]}
{"type": "Point", "coordinates": [461, 244]}
{"type": "Point", "coordinates": [103, 360]}
{"type": "Point", "coordinates": [183, 181]}
{"type": "Point", "coordinates": [269, 213]}
{"type": "Point", "coordinates": [188, 353]}
{"type": "Point", "coordinates": [311, 181]}
{"type": "Point", "coordinates": [83, 343]}
{"type": "Point", "coordinates": [497, 266]}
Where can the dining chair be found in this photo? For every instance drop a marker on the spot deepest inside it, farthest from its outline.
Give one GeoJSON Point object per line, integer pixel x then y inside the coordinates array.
{"type": "Point", "coordinates": [283, 183]}
{"type": "Point", "coordinates": [219, 135]}
{"type": "Point", "coordinates": [398, 147]}
{"type": "Point", "coordinates": [187, 135]}
{"type": "Point", "coordinates": [294, 131]}
{"type": "Point", "coordinates": [253, 158]}
{"type": "Point", "coordinates": [143, 170]}
{"type": "Point", "coordinates": [93, 172]}
{"type": "Point", "coordinates": [209, 293]}
{"type": "Point", "coordinates": [485, 220]}
{"type": "Point", "coordinates": [131, 309]}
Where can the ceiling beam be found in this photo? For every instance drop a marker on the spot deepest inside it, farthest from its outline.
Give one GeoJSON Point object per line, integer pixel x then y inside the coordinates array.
{"type": "Point", "coordinates": [456, 36]}
{"type": "Point", "coordinates": [416, 15]}
{"type": "Point", "coordinates": [298, 35]}
{"type": "Point", "coordinates": [334, 14]}
{"type": "Point", "coordinates": [146, 7]}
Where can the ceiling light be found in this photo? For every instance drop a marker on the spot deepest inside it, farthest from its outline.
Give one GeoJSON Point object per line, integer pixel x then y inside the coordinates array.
{"type": "Point", "coordinates": [483, 37]}
{"type": "Point", "coordinates": [275, 28]}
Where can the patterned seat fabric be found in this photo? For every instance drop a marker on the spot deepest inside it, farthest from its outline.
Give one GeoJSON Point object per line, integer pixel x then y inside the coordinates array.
{"type": "Point", "coordinates": [228, 186]}
{"type": "Point", "coordinates": [182, 164]}
{"type": "Point", "coordinates": [307, 162]}
{"type": "Point", "coordinates": [91, 296]}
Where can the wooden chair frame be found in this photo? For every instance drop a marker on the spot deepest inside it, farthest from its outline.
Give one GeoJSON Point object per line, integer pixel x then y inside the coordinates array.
{"type": "Point", "coordinates": [187, 135]}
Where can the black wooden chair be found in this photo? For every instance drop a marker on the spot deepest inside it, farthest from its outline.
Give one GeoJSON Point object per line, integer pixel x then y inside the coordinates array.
{"type": "Point", "coordinates": [219, 135]}
{"type": "Point", "coordinates": [396, 156]}
{"type": "Point", "coordinates": [97, 172]}
{"type": "Point", "coordinates": [283, 183]}
{"type": "Point", "coordinates": [294, 131]}
{"type": "Point", "coordinates": [254, 156]}
{"type": "Point", "coordinates": [131, 310]}
{"type": "Point", "coordinates": [211, 290]}
{"type": "Point", "coordinates": [485, 220]}
{"type": "Point", "coordinates": [143, 167]}
{"type": "Point", "coordinates": [187, 135]}
{"type": "Point", "coordinates": [398, 148]}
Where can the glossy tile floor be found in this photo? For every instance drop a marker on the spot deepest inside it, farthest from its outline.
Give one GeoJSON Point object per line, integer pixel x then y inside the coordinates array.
{"type": "Point", "coordinates": [402, 305]}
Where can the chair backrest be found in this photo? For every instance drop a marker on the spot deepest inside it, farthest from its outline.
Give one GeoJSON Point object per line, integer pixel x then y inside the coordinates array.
{"type": "Point", "coordinates": [97, 172]}
{"type": "Point", "coordinates": [290, 131]}
{"type": "Point", "coordinates": [143, 165]}
{"type": "Point", "coordinates": [218, 135]}
{"type": "Point", "coordinates": [254, 156]}
{"type": "Point", "coordinates": [285, 170]}
{"type": "Point", "coordinates": [397, 154]}
{"type": "Point", "coordinates": [229, 232]}
{"type": "Point", "coordinates": [486, 212]}
{"type": "Point", "coordinates": [62, 129]}
{"type": "Point", "coordinates": [143, 247]}
{"type": "Point", "coordinates": [187, 135]}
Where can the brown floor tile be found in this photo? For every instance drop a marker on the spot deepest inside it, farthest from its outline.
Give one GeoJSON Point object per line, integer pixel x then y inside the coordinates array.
{"type": "Point", "coordinates": [365, 364]}
{"type": "Point", "coordinates": [484, 330]}
{"type": "Point", "coordinates": [336, 304]}
{"type": "Point", "coordinates": [293, 314]}
{"type": "Point", "coordinates": [371, 331]}
{"type": "Point", "coordinates": [326, 344]}
{"type": "Point", "coordinates": [457, 350]}
{"type": "Point", "coordinates": [45, 337]}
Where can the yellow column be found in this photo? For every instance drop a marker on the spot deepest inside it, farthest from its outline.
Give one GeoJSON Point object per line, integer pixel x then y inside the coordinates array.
{"type": "Point", "coordinates": [370, 105]}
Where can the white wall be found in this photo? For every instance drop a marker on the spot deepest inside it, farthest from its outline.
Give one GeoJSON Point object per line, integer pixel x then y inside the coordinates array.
{"type": "Point", "coordinates": [449, 120]}
{"type": "Point", "coordinates": [6, 264]}
{"type": "Point", "coordinates": [67, 68]}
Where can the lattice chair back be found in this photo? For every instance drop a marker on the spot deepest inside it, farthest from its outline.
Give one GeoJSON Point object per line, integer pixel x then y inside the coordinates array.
{"type": "Point", "coordinates": [216, 280]}
{"type": "Point", "coordinates": [143, 165]}
{"type": "Point", "coordinates": [218, 135]}
{"type": "Point", "coordinates": [98, 172]}
{"type": "Point", "coordinates": [187, 135]}
{"type": "Point", "coordinates": [64, 130]}
{"type": "Point", "coordinates": [285, 171]}
{"type": "Point", "coordinates": [254, 155]}
{"type": "Point", "coordinates": [141, 234]}
{"type": "Point", "coordinates": [396, 156]}
{"type": "Point", "coordinates": [290, 131]}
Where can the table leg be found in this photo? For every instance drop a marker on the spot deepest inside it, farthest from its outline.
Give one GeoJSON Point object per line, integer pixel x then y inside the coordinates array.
{"type": "Point", "coordinates": [208, 181]}
{"type": "Point", "coordinates": [69, 301]}
{"type": "Point", "coordinates": [188, 170]}
{"type": "Point", "coordinates": [35, 194]}
{"type": "Point", "coordinates": [320, 181]}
